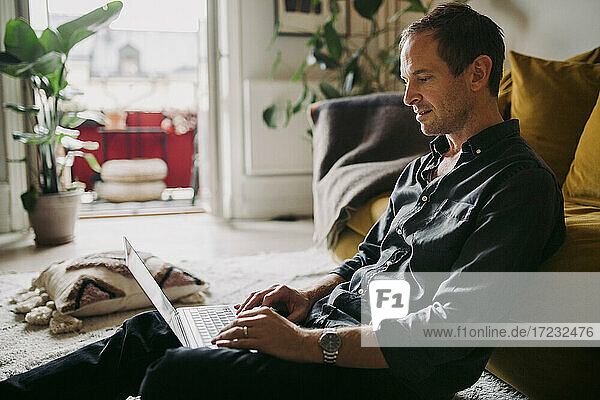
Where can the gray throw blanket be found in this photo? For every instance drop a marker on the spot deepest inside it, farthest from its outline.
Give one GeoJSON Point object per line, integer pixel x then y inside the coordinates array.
{"type": "Point", "coordinates": [360, 146]}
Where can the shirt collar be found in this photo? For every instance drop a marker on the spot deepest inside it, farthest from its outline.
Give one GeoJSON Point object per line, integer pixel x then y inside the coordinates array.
{"type": "Point", "coordinates": [480, 142]}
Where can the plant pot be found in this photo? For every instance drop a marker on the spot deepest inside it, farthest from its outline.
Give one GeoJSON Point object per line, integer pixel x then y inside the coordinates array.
{"type": "Point", "coordinates": [53, 218]}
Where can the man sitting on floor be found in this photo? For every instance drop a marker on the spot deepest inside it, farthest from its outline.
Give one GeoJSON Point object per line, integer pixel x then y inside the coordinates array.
{"type": "Point", "coordinates": [481, 200]}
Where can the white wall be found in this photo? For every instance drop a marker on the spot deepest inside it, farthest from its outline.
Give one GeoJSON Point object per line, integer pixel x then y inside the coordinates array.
{"type": "Point", "coordinates": [555, 29]}
{"type": "Point", "coordinates": [248, 192]}
{"type": "Point", "coordinates": [551, 29]}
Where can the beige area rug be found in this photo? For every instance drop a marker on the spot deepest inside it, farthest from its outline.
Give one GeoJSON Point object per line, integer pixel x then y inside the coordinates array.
{"type": "Point", "coordinates": [23, 347]}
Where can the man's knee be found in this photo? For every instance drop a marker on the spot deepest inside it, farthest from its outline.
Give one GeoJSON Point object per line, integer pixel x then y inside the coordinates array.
{"type": "Point", "coordinates": [145, 320]}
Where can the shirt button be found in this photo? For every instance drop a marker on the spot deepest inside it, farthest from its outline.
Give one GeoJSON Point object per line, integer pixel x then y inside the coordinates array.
{"type": "Point", "coordinates": [361, 291]}
{"type": "Point", "coordinates": [424, 198]}
{"type": "Point", "coordinates": [389, 263]}
{"type": "Point", "coordinates": [478, 151]}
{"type": "Point", "coordinates": [399, 230]}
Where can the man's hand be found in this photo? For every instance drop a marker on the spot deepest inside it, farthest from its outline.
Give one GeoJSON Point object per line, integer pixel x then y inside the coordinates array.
{"type": "Point", "coordinates": [268, 332]}
{"type": "Point", "coordinates": [284, 298]}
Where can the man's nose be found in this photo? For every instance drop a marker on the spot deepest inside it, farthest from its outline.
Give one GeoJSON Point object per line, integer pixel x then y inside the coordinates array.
{"type": "Point", "coordinates": [411, 96]}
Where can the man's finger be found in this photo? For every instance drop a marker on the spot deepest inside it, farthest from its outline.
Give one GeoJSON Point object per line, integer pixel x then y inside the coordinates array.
{"type": "Point", "coordinates": [248, 318]}
{"type": "Point", "coordinates": [247, 302]}
{"type": "Point", "coordinates": [236, 332]}
{"type": "Point", "coordinates": [296, 316]}
{"type": "Point", "coordinates": [255, 300]}
{"type": "Point", "coordinates": [257, 311]}
{"type": "Point", "coordinates": [238, 344]}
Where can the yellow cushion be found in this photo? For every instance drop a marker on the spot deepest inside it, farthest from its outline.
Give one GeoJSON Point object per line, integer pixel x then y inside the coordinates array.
{"type": "Point", "coordinates": [553, 101]}
{"type": "Point", "coordinates": [505, 92]}
{"type": "Point", "coordinates": [358, 226]}
{"type": "Point", "coordinates": [580, 251]}
{"type": "Point", "coordinates": [583, 181]}
{"type": "Point", "coordinates": [366, 216]}
{"type": "Point", "coordinates": [504, 95]}
{"type": "Point", "coordinates": [590, 57]}
{"type": "Point", "coordinates": [346, 245]}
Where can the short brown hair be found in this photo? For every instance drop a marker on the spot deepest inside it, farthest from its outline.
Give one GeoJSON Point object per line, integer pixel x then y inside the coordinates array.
{"type": "Point", "coordinates": [463, 35]}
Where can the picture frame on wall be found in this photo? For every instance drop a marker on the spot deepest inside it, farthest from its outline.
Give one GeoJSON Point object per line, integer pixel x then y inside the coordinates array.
{"type": "Point", "coordinates": [302, 18]}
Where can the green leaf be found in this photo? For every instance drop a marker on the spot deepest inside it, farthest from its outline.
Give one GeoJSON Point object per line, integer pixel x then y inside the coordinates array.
{"type": "Point", "coordinates": [270, 116]}
{"type": "Point", "coordinates": [75, 144]}
{"type": "Point", "coordinates": [275, 64]}
{"type": "Point", "coordinates": [395, 17]}
{"type": "Point", "coordinates": [333, 42]}
{"type": "Point", "coordinates": [334, 7]}
{"type": "Point", "coordinates": [329, 91]}
{"type": "Point", "coordinates": [74, 119]}
{"type": "Point", "coordinates": [61, 131]}
{"type": "Point", "coordinates": [11, 65]}
{"type": "Point", "coordinates": [71, 120]}
{"type": "Point", "coordinates": [51, 42]}
{"type": "Point", "coordinates": [415, 6]}
{"type": "Point", "coordinates": [288, 114]}
{"type": "Point", "coordinates": [299, 72]}
{"type": "Point", "coordinates": [46, 65]}
{"type": "Point", "coordinates": [348, 83]}
{"type": "Point", "coordinates": [23, 109]}
{"type": "Point", "coordinates": [353, 64]}
{"type": "Point", "coordinates": [298, 104]}
{"type": "Point", "coordinates": [29, 199]}
{"type": "Point", "coordinates": [325, 61]}
{"type": "Point", "coordinates": [316, 37]}
{"type": "Point", "coordinates": [95, 116]}
{"type": "Point", "coordinates": [56, 82]}
{"type": "Point", "coordinates": [91, 160]}
{"type": "Point", "coordinates": [30, 138]}
{"type": "Point", "coordinates": [367, 8]}
{"type": "Point", "coordinates": [76, 185]}
{"type": "Point", "coordinates": [78, 37]}
{"type": "Point", "coordinates": [82, 27]}
{"type": "Point", "coordinates": [20, 41]}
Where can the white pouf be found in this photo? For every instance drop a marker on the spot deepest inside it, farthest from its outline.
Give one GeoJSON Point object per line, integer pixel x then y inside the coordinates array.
{"type": "Point", "coordinates": [139, 170]}
{"type": "Point", "coordinates": [121, 191]}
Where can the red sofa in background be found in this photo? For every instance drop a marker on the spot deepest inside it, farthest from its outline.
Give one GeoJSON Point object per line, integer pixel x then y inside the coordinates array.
{"type": "Point", "coordinates": [179, 149]}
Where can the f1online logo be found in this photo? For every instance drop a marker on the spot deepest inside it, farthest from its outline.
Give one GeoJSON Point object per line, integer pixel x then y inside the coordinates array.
{"type": "Point", "coordinates": [389, 299]}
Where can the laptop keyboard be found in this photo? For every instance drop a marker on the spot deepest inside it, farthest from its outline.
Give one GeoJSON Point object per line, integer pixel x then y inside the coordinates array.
{"type": "Point", "coordinates": [210, 320]}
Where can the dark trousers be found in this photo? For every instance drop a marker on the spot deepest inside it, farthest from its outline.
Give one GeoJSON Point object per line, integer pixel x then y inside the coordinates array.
{"type": "Point", "coordinates": [144, 357]}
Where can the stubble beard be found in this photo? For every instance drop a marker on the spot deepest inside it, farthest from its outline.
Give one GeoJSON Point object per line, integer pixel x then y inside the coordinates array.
{"type": "Point", "coordinates": [451, 116]}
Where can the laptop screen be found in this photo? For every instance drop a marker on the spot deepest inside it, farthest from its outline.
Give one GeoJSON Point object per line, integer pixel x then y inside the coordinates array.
{"type": "Point", "coordinates": [143, 277]}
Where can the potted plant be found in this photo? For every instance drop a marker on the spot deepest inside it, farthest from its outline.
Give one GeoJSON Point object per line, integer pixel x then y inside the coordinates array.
{"type": "Point", "coordinates": [354, 65]}
{"type": "Point", "coordinates": [52, 202]}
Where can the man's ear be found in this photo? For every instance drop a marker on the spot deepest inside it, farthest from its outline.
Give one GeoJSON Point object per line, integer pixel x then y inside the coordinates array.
{"type": "Point", "coordinates": [481, 69]}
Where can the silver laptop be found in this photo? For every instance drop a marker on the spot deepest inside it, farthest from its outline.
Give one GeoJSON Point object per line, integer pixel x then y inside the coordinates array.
{"type": "Point", "coordinates": [193, 326]}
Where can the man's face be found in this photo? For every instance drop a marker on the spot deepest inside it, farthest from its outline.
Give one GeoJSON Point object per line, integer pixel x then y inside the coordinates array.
{"type": "Point", "coordinates": [441, 101]}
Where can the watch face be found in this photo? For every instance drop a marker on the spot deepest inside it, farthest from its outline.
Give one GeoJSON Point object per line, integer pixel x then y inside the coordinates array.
{"type": "Point", "coordinates": [330, 342]}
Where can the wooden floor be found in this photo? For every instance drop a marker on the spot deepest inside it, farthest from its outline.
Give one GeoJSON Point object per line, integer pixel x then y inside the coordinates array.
{"type": "Point", "coordinates": [171, 237]}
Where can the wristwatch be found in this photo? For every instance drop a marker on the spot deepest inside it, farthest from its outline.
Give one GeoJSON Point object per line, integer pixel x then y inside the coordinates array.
{"type": "Point", "coordinates": [330, 343]}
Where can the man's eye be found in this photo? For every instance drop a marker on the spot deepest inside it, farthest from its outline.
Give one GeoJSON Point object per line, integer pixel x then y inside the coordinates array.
{"type": "Point", "coordinates": [425, 79]}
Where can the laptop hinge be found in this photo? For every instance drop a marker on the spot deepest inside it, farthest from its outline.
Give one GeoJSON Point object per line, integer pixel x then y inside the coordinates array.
{"type": "Point", "coordinates": [182, 330]}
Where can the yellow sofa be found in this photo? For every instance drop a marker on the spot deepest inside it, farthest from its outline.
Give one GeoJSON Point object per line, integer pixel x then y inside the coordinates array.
{"type": "Point", "coordinates": [570, 144]}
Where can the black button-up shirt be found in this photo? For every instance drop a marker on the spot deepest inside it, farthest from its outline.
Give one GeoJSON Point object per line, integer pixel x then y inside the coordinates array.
{"type": "Point", "coordinates": [499, 209]}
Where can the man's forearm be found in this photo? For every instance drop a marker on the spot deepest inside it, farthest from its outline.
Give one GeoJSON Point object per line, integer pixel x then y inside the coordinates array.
{"type": "Point", "coordinates": [323, 287]}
